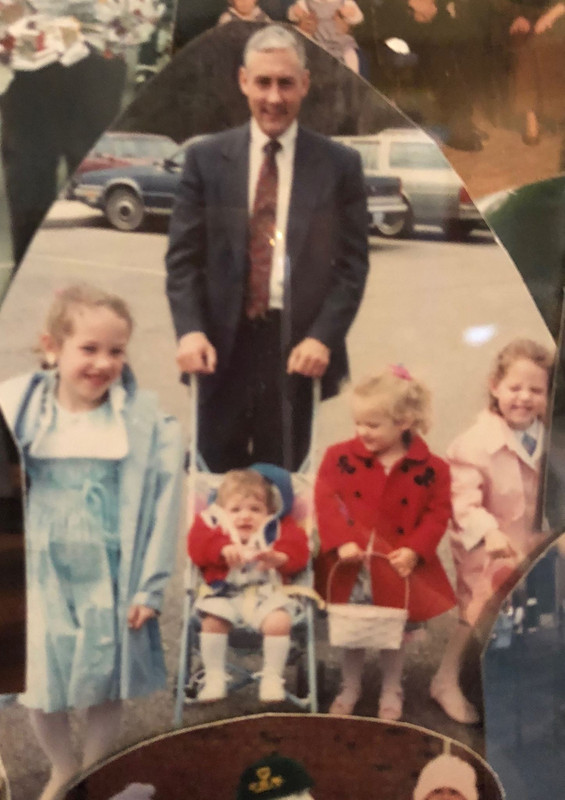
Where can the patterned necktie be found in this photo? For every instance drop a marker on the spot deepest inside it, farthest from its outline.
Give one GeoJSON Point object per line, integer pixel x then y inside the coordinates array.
{"type": "Point", "coordinates": [529, 443]}
{"type": "Point", "coordinates": [262, 233]}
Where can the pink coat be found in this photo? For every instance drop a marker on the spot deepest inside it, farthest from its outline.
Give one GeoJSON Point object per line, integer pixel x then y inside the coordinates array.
{"type": "Point", "coordinates": [494, 486]}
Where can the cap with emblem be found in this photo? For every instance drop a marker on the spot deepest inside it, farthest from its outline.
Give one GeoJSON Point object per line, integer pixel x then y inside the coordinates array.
{"type": "Point", "coordinates": [272, 777]}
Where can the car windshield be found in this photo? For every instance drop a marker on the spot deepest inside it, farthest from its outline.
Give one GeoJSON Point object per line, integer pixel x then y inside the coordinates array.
{"type": "Point", "coordinates": [154, 148]}
{"type": "Point", "coordinates": [416, 155]}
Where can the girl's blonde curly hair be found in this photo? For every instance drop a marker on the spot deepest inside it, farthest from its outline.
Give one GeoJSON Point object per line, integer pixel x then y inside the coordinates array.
{"type": "Point", "coordinates": [395, 393]}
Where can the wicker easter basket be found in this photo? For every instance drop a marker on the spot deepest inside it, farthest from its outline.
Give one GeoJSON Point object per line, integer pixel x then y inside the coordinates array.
{"type": "Point", "coordinates": [354, 626]}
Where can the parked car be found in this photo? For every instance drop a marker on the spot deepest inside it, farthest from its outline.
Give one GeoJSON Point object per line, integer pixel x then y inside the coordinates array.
{"type": "Point", "coordinates": [127, 194]}
{"type": "Point", "coordinates": [432, 189]}
{"type": "Point", "coordinates": [121, 149]}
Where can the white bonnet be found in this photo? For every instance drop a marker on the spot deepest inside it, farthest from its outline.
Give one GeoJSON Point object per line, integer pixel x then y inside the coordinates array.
{"type": "Point", "coordinates": [450, 772]}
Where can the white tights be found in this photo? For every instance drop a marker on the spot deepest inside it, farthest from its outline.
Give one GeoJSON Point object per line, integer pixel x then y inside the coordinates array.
{"type": "Point", "coordinates": [53, 732]}
{"type": "Point", "coordinates": [392, 663]}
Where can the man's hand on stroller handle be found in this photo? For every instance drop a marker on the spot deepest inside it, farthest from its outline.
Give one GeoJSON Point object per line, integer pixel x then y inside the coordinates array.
{"type": "Point", "coordinates": [195, 353]}
{"type": "Point", "coordinates": [310, 357]}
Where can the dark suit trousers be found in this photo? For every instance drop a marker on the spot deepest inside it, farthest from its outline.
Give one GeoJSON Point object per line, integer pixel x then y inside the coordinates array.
{"type": "Point", "coordinates": [256, 413]}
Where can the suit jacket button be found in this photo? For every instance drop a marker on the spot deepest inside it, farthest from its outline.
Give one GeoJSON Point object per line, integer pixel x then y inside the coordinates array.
{"type": "Point", "coordinates": [400, 531]}
{"type": "Point", "coordinates": [350, 522]}
{"type": "Point", "coordinates": [405, 466]}
{"type": "Point", "coordinates": [404, 501]}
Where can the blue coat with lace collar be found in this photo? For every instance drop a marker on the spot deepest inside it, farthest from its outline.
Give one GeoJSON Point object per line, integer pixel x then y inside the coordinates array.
{"type": "Point", "coordinates": [150, 479]}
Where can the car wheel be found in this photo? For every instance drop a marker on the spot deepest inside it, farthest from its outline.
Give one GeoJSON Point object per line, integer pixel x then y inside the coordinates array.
{"type": "Point", "coordinates": [124, 210]}
{"type": "Point", "coordinates": [395, 225]}
{"type": "Point", "coordinates": [457, 230]}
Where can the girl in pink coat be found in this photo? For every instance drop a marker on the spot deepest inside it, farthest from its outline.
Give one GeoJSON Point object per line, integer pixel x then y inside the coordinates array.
{"type": "Point", "coordinates": [495, 474]}
{"type": "Point", "coordinates": [383, 492]}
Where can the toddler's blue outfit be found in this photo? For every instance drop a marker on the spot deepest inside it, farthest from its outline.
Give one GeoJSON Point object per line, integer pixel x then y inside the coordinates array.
{"type": "Point", "coordinates": [101, 525]}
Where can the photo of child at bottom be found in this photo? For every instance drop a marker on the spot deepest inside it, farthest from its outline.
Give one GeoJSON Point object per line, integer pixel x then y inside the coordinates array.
{"type": "Point", "coordinates": [104, 470]}
{"type": "Point", "coordinates": [383, 492]}
{"type": "Point", "coordinates": [446, 777]}
{"type": "Point", "coordinates": [495, 469]}
{"type": "Point", "coordinates": [247, 545]}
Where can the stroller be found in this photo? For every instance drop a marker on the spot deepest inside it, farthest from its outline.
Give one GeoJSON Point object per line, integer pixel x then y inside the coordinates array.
{"type": "Point", "coordinates": [202, 486]}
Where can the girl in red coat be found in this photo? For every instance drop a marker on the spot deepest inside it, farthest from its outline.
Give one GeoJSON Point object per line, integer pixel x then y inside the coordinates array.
{"type": "Point", "coordinates": [383, 492]}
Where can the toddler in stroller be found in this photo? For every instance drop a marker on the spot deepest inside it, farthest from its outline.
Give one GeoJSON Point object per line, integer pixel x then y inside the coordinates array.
{"type": "Point", "coordinates": [247, 546]}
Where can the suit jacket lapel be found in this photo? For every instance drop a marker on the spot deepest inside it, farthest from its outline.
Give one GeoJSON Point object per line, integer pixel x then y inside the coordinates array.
{"type": "Point", "coordinates": [304, 194]}
{"type": "Point", "coordinates": [235, 164]}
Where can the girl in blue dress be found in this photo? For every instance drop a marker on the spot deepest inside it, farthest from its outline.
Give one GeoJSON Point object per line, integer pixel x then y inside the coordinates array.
{"type": "Point", "coordinates": [104, 467]}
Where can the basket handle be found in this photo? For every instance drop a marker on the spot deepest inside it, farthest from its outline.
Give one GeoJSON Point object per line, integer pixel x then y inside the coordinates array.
{"type": "Point", "coordinates": [368, 554]}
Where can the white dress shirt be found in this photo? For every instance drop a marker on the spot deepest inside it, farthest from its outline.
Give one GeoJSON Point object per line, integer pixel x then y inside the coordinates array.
{"type": "Point", "coordinates": [285, 167]}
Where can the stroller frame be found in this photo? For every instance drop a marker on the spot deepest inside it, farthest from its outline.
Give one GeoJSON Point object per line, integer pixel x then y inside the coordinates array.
{"type": "Point", "coordinates": [189, 632]}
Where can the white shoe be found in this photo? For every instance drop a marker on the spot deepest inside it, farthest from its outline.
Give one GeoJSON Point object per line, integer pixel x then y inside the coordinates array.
{"type": "Point", "coordinates": [454, 703]}
{"type": "Point", "coordinates": [215, 687]}
{"type": "Point", "coordinates": [271, 688]}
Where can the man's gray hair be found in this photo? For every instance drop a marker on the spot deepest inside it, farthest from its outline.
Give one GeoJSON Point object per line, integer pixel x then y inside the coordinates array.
{"type": "Point", "coordinates": [274, 37]}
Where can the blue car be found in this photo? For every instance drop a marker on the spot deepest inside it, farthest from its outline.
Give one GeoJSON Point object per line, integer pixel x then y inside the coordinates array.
{"type": "Point", "coordinates": [127, 195]}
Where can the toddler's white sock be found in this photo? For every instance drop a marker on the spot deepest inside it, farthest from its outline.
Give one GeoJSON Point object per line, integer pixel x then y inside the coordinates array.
{"type": "Point", "coordinates": [213, 649]}
{"type": "Point", "coordinates": [275, 653]}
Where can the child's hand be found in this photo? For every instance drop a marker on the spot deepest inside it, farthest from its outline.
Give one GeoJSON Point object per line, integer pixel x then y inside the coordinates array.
{"type": "Point", "coordinates": [341, 22]}
{"type": "Point", "coordinates": [138, 616]}
{"type": "Point", "coordinates": [350, 552]}
{"type": "Point", "coordinates": [270, 559]}
{"type": "Point", "coordinates": [307, 22]}
{"type": "Point", "coordinates": [498, 545]}
{"type": "Point", "coordinates": [234, 555]}
{"type": "Point", "coordinates": [403, 561]}
{"type": "Point", "coordinates": [520, 25]}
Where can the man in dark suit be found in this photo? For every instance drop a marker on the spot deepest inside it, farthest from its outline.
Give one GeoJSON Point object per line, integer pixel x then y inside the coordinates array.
{"type": "Point", "coordinates": [258, 319]}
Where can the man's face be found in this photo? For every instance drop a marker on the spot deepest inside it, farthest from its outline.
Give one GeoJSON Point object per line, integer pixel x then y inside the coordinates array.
{"type": "Point", "coordinates": [275, 84]}
{"type": "Point", "coordinates": [422, 10]}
